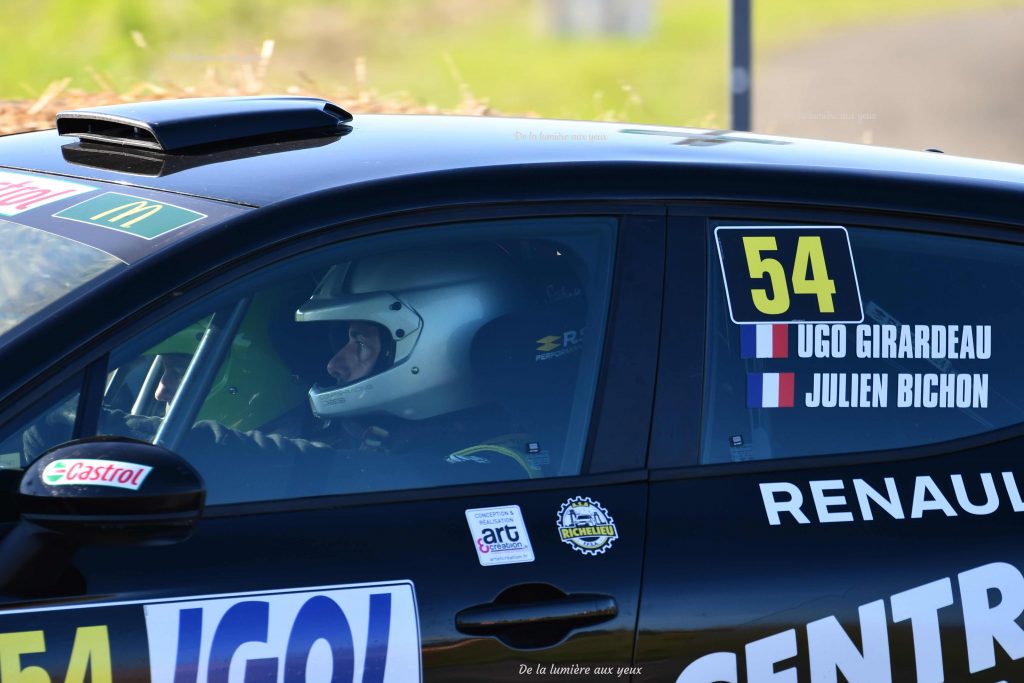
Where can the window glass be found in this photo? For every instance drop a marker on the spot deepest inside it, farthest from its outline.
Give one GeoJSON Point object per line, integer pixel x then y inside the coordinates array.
{"type": "Point", "coordinates": [37, 269]}
{"type": "Point", "coordinates": [447, 355]}
{"type": "Point", "coordinates": [933, 359]}
{"type": "Point", "coordinates": [48, 424]}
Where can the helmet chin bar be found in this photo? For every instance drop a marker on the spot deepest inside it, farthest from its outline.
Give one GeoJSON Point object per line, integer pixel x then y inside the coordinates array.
{"type": "Point", "coordinates": [390, 392]}
{"type": "Point", "coordinates": [323, 400]}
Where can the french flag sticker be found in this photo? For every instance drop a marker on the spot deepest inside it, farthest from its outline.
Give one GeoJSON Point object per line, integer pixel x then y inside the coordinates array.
{"type": "Point", "coordinates": [764, 341]}
{"type": "Point", "coordinates": [770, 389]}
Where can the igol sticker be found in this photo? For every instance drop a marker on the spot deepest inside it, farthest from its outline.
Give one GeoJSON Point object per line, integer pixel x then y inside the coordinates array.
{"type": "Point", "coordinates": [586, 526]}
{"type": "Point", "coordinates": [349, 632]}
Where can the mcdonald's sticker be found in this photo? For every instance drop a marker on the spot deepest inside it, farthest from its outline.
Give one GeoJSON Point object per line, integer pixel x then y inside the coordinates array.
{"type": "Point", "coordinates": [134, 215]}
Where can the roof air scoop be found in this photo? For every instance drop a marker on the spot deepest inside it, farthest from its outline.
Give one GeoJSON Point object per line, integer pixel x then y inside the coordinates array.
{"type": "Point", "coordinates": [175, 125]}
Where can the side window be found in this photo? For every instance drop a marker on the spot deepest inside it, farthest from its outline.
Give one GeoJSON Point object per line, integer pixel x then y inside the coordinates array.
{"type": "Point", "coordinates": [444, 355]}
{"type": "Point", "coordinates": [932, 359]}
{"type": "Point", "coordinates": [48, 424]}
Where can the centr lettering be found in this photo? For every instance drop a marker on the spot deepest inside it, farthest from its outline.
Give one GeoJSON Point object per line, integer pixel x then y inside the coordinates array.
{"type": "Point", "coordinates": [830, 650]}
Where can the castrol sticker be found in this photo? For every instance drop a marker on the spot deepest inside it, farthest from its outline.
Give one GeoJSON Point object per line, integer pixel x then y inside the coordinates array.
{"type": "Point", "coordinates": [21, 192]}
{"type": "Point", "coordinates": [85, 472]}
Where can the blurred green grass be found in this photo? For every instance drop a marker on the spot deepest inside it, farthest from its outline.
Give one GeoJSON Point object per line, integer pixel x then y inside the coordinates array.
{"type": "Point", "coordinates": [436, 51]}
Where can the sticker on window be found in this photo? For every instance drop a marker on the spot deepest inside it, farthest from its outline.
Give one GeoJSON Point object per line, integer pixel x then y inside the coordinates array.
{"type": "Point", "coordinates": [137, 216]}
{"type": "Point", "coordinates": [770, 390]}
{"type": "Point", "coordinates": [889, 384]}
{"type": "Point", "coordinates": [764, 341]}
{"type": "Point", "coordinates": [21, 192]}
{"type": "Point", "coordinates": [788, 274]}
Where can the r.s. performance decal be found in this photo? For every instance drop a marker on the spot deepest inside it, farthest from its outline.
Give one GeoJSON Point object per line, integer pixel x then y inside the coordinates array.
{"type": "Point", "coordinates": [989, 599]}
{"type": "Point", "coordinates": [363, 633]}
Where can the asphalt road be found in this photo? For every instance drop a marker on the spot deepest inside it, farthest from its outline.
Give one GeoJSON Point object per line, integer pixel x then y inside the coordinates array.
{"type": "Point", "coordinates": [953, 82]}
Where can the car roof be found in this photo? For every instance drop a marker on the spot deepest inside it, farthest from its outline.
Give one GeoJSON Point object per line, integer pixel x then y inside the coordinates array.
{"type": "Point", "coordinates": [380, 147]}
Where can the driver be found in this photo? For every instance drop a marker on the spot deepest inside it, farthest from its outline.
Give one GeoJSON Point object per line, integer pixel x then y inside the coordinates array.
{"type": "Point", "coordinates": [405, 328]}
{"type": "Point", "coordinates": [174, 366]}
{"type": "Point", "coordinates": [360, 355]}
{"type": "Point", "coordinates": [398, 393]}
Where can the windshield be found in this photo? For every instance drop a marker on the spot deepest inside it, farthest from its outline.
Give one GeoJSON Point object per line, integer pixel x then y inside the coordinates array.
{"type": "Point", "coordinates": [38, 269]}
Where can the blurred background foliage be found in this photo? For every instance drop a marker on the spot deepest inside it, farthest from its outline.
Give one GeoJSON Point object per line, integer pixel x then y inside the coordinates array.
{"type": "Point", "coordinates": [503, 53]}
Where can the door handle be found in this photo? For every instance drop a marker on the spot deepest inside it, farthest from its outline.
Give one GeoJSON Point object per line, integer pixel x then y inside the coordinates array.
{"type": "Point", "coordinates": [555, 618]}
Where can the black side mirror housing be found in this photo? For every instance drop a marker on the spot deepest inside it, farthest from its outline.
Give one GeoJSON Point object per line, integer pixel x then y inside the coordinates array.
{"type": "Point", "coordinates": [99, 490]}
{"type": "Point", "coordinates": [112, 490]}
{"type": "Point", "coordinates": [10, 481]}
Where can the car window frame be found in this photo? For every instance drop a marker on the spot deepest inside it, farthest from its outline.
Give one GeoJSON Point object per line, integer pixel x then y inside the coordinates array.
{"type": "Point", "coordinates": [667, 460]}
{"type": "Point", "coordinates": [94, 356]}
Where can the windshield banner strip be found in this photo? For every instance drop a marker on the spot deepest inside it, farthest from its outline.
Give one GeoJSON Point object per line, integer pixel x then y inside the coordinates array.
{"type": "Point", "coordinates": [22, 192]}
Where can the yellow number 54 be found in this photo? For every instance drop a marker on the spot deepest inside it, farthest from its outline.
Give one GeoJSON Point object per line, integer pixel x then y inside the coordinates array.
{"type": "Point", "coordinates": [809, 252]}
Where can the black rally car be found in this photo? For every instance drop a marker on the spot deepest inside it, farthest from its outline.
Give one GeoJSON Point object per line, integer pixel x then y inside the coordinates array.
{"type": "Point", "coordinates": [288, 395]}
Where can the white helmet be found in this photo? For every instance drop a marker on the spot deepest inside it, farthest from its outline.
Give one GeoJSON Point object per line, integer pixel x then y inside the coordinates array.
{"type": "Point", "coordinates": [430, 305]}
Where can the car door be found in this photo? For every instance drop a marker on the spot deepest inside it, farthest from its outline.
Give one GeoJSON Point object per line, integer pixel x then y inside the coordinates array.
{"type": "Point", "coordinates": [843, 508]}
{"type": "Point", "coordinates": [436, 551]}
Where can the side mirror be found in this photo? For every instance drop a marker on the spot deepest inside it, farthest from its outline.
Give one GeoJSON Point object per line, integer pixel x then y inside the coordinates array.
{"type": "Point", "coordinates": [112, 490]}
{"type": "Point", "coordinates": [99, 490]}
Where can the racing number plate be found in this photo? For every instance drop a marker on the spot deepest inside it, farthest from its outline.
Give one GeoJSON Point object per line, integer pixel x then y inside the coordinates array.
{"type": "Point", "coordinates": [789, 274]}
{"type": "Point", "coordinates": [354, 632]}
